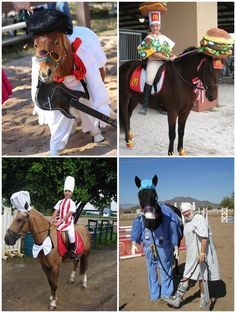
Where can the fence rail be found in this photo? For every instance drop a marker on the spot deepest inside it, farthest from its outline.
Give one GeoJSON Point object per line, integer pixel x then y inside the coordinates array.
{"type": "Point", "coordinates": [14, 39]}
{"type": "Point", "coordinates": [129, 42]}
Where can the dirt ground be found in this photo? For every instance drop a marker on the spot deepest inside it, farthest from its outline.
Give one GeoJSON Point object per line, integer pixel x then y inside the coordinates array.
{"type": "Point", "coordinates": [21, 133]}
{"type": "Point", "coordinates": [134, 294]}
{"type": "Point", "coordinates": [25, 287]}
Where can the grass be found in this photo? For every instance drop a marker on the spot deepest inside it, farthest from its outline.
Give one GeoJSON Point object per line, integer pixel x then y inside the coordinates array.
{"type": "Point", "coordinates": [110, 244]}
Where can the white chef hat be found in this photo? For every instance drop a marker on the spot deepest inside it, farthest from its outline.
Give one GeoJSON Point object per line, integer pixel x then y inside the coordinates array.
{"type": "Point", "coordinates": [69, 183]}
{"type": "Point", "coordinates": [154, 17]}
{"type": "Point", "coordinates": [21, 201]}
{"type": "Point", "coordinates": [186, 206]}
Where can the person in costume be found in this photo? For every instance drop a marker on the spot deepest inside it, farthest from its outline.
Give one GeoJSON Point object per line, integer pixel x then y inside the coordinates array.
{"type": "Point", "coordinates": [159, 231]}
{"type": "Point", "coordinates": [201, 258]}
{"type": "Point", "coordinates": [93, 58]}
{"type": "Point", "coordinates": [63, 214]}
{"type": "Point", "coordinates": [156, 48]}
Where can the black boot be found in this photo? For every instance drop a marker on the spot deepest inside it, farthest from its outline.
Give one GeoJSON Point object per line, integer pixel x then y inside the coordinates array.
{"type": "Point", "coordinates": [72, 251]}
{"type": "Point", "coordinates": [146, 95]}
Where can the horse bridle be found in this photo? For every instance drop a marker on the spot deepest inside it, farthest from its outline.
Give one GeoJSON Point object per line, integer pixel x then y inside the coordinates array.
{"type": "Point", "coordinates": [205, 85]}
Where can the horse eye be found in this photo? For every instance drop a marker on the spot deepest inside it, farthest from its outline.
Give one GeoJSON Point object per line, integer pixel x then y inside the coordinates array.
{"type": "Point", "coordinates": [36, 46]}
{"type": "Point", "coordinates": [56, 42]}
{"type": "Point", "coordinates": [19, 220]}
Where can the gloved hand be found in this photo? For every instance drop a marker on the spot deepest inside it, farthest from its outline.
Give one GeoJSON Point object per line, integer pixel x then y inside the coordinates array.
{"type": "Point", "coordinates": [134, 248]}
{"type": "Point", "coordinates": [176, 252]}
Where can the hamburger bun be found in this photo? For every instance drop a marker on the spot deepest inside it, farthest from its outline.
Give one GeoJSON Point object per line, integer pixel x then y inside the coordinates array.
{"type": "Point", "coordinates": [153, 6]}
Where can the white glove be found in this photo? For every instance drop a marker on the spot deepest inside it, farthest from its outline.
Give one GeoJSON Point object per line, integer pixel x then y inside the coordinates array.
{"type": "Point", "coordinates": [134, 248]}
{"type": "Point", "coordinates": [176, 252]}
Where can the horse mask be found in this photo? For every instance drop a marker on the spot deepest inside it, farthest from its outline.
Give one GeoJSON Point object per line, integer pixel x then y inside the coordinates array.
{"type": "Point", "coordinates": [148, 202]}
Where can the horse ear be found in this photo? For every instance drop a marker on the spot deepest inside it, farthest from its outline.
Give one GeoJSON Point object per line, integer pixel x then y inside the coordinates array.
{"type": "Point", "coordinates": [137, 181]}
{"type": "Point", "coordinates": [155, 180]}
{"type": "Point", "coordinates": [26, 206]}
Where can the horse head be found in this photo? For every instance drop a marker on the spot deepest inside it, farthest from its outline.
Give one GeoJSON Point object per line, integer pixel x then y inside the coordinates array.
{"type": "Point", "coordinates": [209, 77]}
{"type": "Point", "coordinates": [54, 55]}
{"type": "Point", "coordinates": [18, 228]}
{"type": "Point", "coordinates": [148, 201]}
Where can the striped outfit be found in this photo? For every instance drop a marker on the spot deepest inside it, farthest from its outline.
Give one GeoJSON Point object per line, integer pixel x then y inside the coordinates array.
{"type": "Point", "coordinates": [64, 206]}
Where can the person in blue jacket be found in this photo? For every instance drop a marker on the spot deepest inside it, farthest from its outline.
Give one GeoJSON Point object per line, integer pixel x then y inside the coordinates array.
{"type": "Point", "coordinates": [159, 229]}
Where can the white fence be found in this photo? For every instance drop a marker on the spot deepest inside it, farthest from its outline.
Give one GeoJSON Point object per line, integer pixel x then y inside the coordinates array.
{"type": "Point", "coordinates": [9, 251]}
{"type": "Point", "coordinates": [10, 28]}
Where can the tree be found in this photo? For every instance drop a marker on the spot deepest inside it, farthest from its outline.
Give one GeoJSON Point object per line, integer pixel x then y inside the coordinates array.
{"type": "Point", "coordinates": [96, 180]}
{"type": "Point", "coordinates": [228, 202]}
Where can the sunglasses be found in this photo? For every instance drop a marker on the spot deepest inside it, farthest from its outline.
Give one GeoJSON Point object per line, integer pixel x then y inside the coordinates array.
{"type": "Point", "coordinates": [52, 54]}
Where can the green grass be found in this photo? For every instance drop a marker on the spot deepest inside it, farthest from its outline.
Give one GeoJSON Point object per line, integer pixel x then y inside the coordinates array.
{"type": "Point", "coordinates": [111, 244]}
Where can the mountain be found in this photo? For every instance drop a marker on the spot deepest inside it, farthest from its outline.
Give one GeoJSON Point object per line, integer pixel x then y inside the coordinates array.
{"type": "Point", "coordinates": [178, 200]}
{"type": "Point", "coordinates": [198, 203]}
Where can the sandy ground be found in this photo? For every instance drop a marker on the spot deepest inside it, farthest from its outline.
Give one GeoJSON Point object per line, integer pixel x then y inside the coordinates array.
{"type": "Point", "coordinates": [134, 294]}
{"type": "Point", "coordinates": [207, 133]}
{"type": "Point", "coordinates": [25, 287]}
{"type": "Point", "coordinates": [21, 133]}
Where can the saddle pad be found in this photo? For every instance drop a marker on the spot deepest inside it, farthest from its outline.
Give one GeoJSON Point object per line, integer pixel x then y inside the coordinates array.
{"type": "Point", "coordinates": [79, 244]}
{"type": "Point", "coordinates": [138, 79]}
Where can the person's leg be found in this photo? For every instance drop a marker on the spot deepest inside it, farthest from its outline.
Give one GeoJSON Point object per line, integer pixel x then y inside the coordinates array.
{"type": "Point", "coordinates": [166, 271]}
{"type": "Point", "coordinates": [203, 301]}
{"type": "Point", "coordinates": [71, 236]}
{"type": "Point", "coordinates": [154, 288]}
{"type": "Point", "coordinates": [176, 300]}
{"type": "Point", "coordinates": [151, 71]}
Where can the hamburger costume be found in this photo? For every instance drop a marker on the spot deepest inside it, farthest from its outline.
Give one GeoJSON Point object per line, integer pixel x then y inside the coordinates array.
{"type": "Point", "coordinates": [155, 47]}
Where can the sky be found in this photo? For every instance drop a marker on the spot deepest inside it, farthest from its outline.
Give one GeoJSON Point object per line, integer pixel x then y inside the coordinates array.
{"type": "Point", "coordinates": [209, 179]}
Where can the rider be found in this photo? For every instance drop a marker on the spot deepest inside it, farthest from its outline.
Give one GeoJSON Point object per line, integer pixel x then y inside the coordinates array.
{"type": "Point", "coordinates": [93, 58]}
{"type": "Point", "coordinates": [159, 231]}
{"type": "Point", "coordinates": [63, 217]}
{"type": "Point", "coordinates": [157, 48]}
{"type": "Point", "coordinates": [199, 249]}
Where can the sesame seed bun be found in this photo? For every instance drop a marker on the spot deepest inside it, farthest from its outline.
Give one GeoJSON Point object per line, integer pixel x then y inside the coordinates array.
{"type": "Point", "coordinates": [153, 6]}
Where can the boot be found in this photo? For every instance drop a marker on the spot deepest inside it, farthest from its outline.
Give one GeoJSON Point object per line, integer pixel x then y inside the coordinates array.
{"type": "Point", "coordinates": [72, 251]}
{"type": "Point", "coordinates": [178, 297]}
{"type": "Point", "coordinates": [146, 95]}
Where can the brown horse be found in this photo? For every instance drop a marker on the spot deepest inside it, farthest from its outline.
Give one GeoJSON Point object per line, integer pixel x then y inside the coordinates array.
{"type": "Point", "coordinates": [55, 56]}
{"type": "Point", "coordinates": [40, 228]}
{"type": "Point", "coordinates": [177, 94]}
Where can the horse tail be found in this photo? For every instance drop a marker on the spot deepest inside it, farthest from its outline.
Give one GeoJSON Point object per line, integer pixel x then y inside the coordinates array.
{"type": "Point", "coordinates": [84, 263]}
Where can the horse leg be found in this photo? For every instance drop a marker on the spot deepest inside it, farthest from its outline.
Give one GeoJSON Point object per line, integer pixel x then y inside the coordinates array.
{"type": "Point", "coordinates": [181, 126]}
{"type": "Point", "coordinates": [83, 269]}
{"type": "Point", "coordinates": [172, 116]}
{"type": "Point", "coordinates": [52, 276]}
{"type": "Point", "coordinates": [72, 275]}
{"type": "Point", "coordinates": [124, 108]}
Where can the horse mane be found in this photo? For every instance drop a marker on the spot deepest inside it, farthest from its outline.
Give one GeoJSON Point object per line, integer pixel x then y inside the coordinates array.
{"type": "Point", "coordinates": [189, 49]}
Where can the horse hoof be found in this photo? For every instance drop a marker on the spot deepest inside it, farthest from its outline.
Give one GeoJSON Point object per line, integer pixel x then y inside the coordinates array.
{"type": "Point", "coordinates": [52, 308]}
{"type": "Point", "coordinates": [182, 152]}
{"type": "Point", "coordinates": [170, 153]}
{"type": "Point", "coordinates": [83, 287]}
{"type": "Point", "coordinates": [130, 145]}
{"type": "Point", "coordinates": [70, 282]}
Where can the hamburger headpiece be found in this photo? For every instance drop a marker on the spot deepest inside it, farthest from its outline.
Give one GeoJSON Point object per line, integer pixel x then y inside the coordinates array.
{"type": "Point", "coordinates": [153, 11]}
{"type": "Point", "coordinates": [217, 43]}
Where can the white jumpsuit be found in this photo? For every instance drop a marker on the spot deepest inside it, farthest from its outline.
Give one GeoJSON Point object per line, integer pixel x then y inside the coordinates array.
{"type": "Point", "coordinates": [93, 57]}
{"type": "Point", "coordinates": [194, 230]}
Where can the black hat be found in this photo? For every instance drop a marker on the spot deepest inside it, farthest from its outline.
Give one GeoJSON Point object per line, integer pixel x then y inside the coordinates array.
{"type": "Point", "coordinates": [47, 21]}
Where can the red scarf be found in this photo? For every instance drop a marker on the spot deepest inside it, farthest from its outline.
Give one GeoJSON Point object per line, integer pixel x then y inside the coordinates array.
{"type": "Point", "coordinates": [79, 71]}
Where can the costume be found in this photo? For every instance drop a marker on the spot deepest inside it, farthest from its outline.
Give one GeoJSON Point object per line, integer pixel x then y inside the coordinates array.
{"type": "Point", "coordinates": [6, 87]}
{"type": "Point", "coordinates": [153, 43]}
{"type": "Point", "coordinates": [93, 58]}
{"type": "Point", "coordinates": [194, 230]}
{"type": "Point", "coordinates": [166, 238]}
{"type": "Point", "coordinates": [63, 207]}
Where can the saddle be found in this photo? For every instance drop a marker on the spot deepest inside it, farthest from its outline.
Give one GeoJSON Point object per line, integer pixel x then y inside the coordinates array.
{"type": "Point", "coordinates": [63, 242]}
{"type": "Point", "coordinates": [56, 96]}
{"type": "Point", "coordinates": [138, 78]}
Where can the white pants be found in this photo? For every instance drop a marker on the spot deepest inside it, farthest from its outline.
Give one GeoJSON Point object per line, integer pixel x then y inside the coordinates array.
{"type": "Point", "coordinates": [71, 233]}
{"type": "Point", "coordinates": [153, 66]}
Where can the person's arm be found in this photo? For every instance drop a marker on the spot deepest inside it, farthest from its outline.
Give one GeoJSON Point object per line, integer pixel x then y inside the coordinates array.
{"type": "Point", "coordinates": [202, 255]}
{"type": "Point", "coordinates": [55, 213]}
{"type": "Point", "coordinates": [162, 56]}
{"type": "Point", "coordinates": [18, 6]}
{"type": "Point", "coordinates": [64, 218]}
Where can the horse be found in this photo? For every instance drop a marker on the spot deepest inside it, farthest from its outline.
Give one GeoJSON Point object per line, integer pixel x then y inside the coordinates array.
{"type": "Point", "coordinates": [36, 223]}
{"type": "Point", "coordinates": [177, 94]}
{"type": "Point", "coordinates": [149, 198]}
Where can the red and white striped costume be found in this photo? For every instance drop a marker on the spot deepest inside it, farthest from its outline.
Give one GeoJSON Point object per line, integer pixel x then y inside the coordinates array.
{"type": "Point", "coordinates": [64, 206]}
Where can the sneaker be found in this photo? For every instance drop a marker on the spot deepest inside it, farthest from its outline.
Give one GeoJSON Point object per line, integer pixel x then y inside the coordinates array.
{"type": "Point", "coordinates": [53, 153]}
{"type": "Point", "coordinates": [203, 302]}
{"type": "Point", "coordinates": [173, 301]}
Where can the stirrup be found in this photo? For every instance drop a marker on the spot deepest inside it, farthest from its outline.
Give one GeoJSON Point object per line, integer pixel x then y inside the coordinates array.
{"type": "Point", "coordinates": [143, 110]}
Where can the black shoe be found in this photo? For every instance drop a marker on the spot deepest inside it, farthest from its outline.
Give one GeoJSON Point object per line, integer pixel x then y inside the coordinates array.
{"type": "Point", "coordinates": [72, 251]}
{"type": "Point", "coordinates": [146, 95]}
